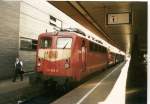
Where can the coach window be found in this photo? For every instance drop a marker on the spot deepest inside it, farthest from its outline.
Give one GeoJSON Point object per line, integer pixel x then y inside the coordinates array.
{"type": "Point", "coordinates": [103, 49]}
{"type": "Point", "coordinates": [95, 47]}
{"type": "Point", "coordinates": [90, 46]}
{"type": "Point", "coordinates": [100, 48]}
{"type": "Point", "coordinates": [45, 42]}
{"type": "Point", "coordinates": [83, 43]}
{"type": "Point", "coordinates": [64, 42]}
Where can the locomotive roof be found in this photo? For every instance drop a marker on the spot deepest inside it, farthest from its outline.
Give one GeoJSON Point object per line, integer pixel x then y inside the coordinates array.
{"type": "Point", "coordinates": [55, 33]}
{"type": "Point", "coordinates": [66, 33]}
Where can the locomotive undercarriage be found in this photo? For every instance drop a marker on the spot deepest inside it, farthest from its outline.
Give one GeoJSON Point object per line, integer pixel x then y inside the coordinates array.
{"type": "Point", "coordinates": [65, 83]}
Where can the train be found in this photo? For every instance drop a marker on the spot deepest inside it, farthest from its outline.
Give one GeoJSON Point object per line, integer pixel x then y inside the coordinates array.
{"type": "Point", "coordinates": [69, 55]}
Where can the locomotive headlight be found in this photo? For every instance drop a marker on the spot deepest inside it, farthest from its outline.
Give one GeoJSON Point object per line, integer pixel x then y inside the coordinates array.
{"type": "Point", "coordinates": [66, 66]}
{"type": "Point", "coordinates": [39, 64]}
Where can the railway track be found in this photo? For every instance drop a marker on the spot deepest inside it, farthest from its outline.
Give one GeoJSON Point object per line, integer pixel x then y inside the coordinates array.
{"type": "Point", "coordinates": [46, 95]}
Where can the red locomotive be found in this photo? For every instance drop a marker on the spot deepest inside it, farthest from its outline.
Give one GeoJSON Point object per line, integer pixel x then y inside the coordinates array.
{"type": "Point", "coordinates": [69, 56]}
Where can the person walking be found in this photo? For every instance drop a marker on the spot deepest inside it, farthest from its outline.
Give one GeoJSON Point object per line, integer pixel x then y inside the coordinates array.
{"type": "Point", "coordinates": [18, 69]}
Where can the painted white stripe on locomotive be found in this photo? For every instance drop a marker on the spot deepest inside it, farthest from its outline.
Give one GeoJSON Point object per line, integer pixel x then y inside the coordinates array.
{"type": "Point", "coordinates": [61, 54]}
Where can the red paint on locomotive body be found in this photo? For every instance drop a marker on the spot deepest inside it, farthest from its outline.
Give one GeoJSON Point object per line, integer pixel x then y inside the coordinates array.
{"type": "Point", "coordinates": [68, 55]}
{"type": "Point", "coordinates": [51, 60]}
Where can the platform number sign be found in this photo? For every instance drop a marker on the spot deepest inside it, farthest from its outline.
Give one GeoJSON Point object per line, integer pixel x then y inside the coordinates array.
{"type": "Point", "coordinates": [113, 19]}
{"type": "Point", "coordinates": [118, 18]}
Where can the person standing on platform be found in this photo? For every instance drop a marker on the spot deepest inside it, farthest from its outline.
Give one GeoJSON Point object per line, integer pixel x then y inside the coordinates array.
{"type": "Point", "coordinates": [18, 69]}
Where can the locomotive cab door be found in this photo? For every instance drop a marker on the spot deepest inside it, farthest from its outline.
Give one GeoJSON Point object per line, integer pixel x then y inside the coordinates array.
{"type": "Point", "coordinates": [83, 56]}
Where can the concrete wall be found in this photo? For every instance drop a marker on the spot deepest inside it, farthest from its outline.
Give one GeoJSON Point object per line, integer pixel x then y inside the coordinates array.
{"type": "Point", "coordinates": [9, 35]}
{"type": "Point", "coordinates": [34, 20]}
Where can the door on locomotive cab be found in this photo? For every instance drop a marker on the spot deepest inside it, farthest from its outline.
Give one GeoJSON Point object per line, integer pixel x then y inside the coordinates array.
{"type": "Point", "coordinates": [44, 50]}
{"type": "Point", "coordinates": [83, 55]}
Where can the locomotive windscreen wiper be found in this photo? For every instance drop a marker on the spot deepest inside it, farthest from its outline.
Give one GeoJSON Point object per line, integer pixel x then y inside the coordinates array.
{"type": "Point", "coordinates": [65, 45]}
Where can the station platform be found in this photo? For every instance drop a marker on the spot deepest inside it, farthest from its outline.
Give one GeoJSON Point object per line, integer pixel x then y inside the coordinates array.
{"type": "Point", "coordinates": [20, 91]}
{"type": "Point", "coordinates": [10, 91]}
{"type": "Point", "coordinates": [8, 86]}
{"type": "Point", "coordinates": [106, 88]}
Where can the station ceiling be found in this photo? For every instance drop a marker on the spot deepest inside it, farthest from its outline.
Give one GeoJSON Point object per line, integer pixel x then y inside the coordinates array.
{"type": "Point", "coordinates": [93, 16]}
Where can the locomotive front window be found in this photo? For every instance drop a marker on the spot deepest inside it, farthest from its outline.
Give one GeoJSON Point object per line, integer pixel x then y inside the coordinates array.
{"type": "Point", "coordinates": [64, 42]}
{"type": "Point", "coordinates": [45, 43]}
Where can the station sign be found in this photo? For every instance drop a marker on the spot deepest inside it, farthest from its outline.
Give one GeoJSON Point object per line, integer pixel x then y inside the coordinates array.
{"type": "Point", "coordinates": [118, 18]}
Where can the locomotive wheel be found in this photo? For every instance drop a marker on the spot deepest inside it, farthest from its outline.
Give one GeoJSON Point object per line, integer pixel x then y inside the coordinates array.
{"type": "Point", "coordinates": [35, 79]}
{"type": "Point", "coordinates": [67, 87]}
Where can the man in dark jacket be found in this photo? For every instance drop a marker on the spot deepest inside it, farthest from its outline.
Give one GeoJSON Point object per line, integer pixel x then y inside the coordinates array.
{"type": "Point", "coordinates": [18, 69]}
